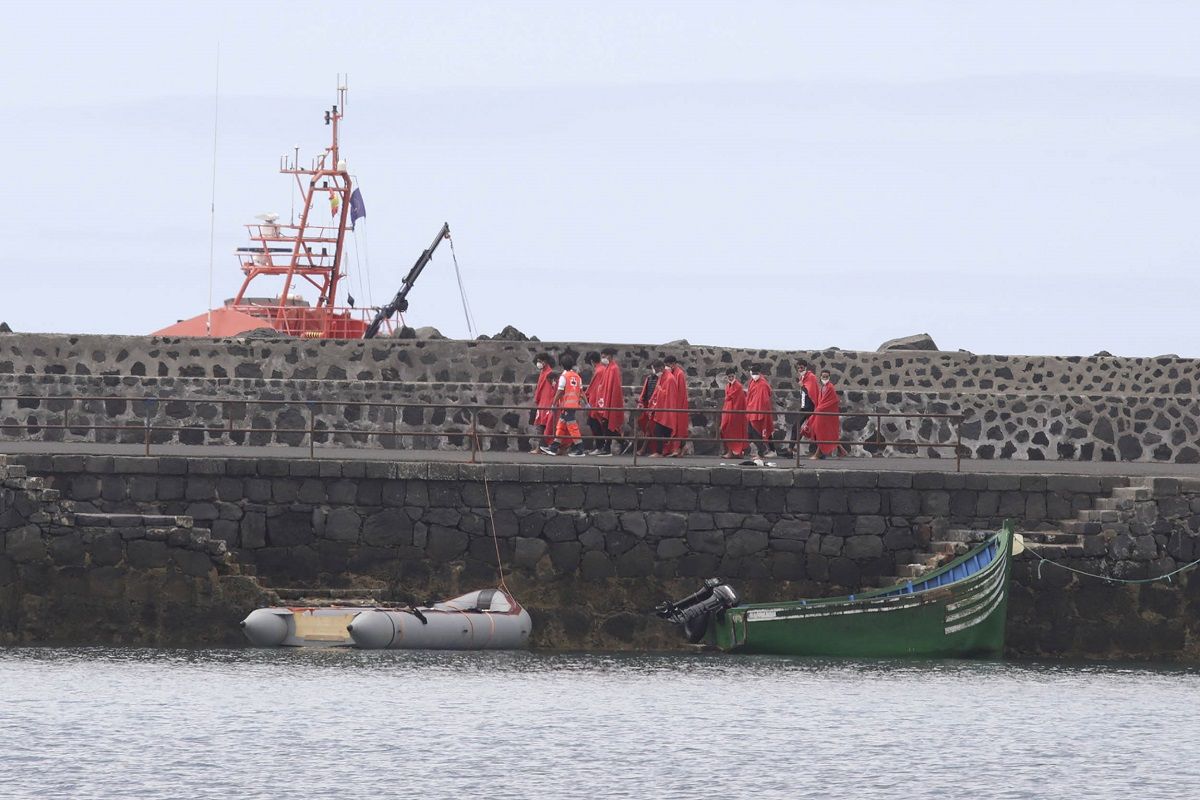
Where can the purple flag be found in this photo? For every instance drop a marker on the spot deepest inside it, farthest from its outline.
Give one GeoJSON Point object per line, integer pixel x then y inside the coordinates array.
{"type": "Point", "coordinates": [358, 209]}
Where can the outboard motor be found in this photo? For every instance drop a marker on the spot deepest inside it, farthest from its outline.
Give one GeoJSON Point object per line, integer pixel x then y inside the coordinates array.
{"type": "Point", "coordinates": [694, 611]}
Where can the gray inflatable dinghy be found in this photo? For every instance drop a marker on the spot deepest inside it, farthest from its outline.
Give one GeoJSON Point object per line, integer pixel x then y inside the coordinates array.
{"type": "Point", "coordinates": [487, 619]}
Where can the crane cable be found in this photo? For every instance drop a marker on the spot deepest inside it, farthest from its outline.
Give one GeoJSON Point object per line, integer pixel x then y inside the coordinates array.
{"type": "Point", "coordinates": [462, 291]}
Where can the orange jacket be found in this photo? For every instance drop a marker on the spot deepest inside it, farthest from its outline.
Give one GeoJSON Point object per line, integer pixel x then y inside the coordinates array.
{"type": "Point", "coordinates": [572, 389]}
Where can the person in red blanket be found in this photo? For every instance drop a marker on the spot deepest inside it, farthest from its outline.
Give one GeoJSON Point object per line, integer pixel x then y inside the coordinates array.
{"type": "Point", "coordinates": [761, 405]}
{"type": "Point", "coordinates": [608, 407]}
{"type": "Point", "coordinates": [594, 392]}
{"type": "Point", "coordinates": [645, 404]}
{"type": "Point", "coordinates": [809, 389]}
{"type": "Point", "coordinates": [674, 399]}
{"type": "Point", "coordinates": [542, 415]}
{"type": "Point", "coordinates": [825, 426]}
{"type": "Point", "coordinates": [733, 423]}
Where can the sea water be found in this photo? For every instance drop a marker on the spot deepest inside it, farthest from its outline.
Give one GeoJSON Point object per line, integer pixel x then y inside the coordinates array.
{"type": "Point", "coordinates": [140, 723]}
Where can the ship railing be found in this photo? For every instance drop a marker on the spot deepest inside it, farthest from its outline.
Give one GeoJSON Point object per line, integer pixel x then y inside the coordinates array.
{"type": "Point", "coordinates": [343, 322]}
{"type": "Point", "coordinates": [286, 232]}
{"type": "Point", "coordinates": [152, 420]}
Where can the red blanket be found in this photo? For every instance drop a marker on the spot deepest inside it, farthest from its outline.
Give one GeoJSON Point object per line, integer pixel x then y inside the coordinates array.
{"type": "Point", "coordinates": [543, 396]}
{"type": "Point", "coordinates": [825, 428]}
{"type": "Point", "coordinates": [761, 406]}
{"type": "Point", "coordinates": [733, 426]}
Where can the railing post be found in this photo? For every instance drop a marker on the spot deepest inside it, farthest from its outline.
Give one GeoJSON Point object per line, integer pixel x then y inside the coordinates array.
{"type": "Point", "coordinates": [312, 451]}
{"type": "Point", "coordinates": [958, 444]}
{"type": "Point", "coordinates": [474, 433]}
{"type": "Point", "coordinates": [395, 439]}
{"type": "Point", "coordinates": [637, 413]}
{"type": "Point", "coordinates": [151, 400]}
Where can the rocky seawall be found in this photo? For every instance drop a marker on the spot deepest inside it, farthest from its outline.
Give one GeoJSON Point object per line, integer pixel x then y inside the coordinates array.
{"type": "Point", "coordinates": [368, 393]}
{"type": "Point", "coordinates": [590, 549]}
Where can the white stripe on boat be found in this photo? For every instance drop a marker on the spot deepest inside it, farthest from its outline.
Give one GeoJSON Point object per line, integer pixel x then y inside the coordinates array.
{"type": "Point", "coordinates": [962, 626]}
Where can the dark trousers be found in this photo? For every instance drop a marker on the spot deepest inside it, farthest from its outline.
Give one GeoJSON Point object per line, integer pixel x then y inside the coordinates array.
{"type": "Point", "coordinates": [602, 435]}
{"type": "Point", "coordinates": [805, 412]}
{"type": "Point", "coordinates": [662, 432]}
{"type": "Point", "coordinates": [759, 439]}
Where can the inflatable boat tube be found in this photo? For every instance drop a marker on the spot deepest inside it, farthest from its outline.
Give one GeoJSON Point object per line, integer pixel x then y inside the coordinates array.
{"type": "Point", "coordinates": [300, 627]}
{"type": "Point", "coordinates": [489, 619]}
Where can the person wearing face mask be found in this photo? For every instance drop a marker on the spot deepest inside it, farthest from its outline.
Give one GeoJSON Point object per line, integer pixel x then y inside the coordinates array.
{"type": "Point", "coordinates": [825, 426]}
{"type": "Point", "coordinates": [733, 422]}
{"type": "Point", "coordinates": [595, 400]}
{"type": "Point", "coordinates": [809, 389]}
{"type": "Point", "coordinates": [645, 403]}
{"type": "Point", "coordinates": [608, 405]}
{"type": "Point", "coordinates": [568, 400]}
{"type": "Point", "coordinates": [541, 416]}
{"type": "Point", "coordinates": [761, 405]}
{"type": "Point", "coordinates": [672, 387]}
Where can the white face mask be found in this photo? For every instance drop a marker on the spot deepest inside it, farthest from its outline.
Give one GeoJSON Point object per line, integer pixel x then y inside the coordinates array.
{"type": "Point", "coordinates": [604, 360]}
{"type": "Point", "coordinates": [824, 380]}
{"type": "Point", "coordinates": [539, 364]}
{"type": "Point", "coordinates": [753, 376]}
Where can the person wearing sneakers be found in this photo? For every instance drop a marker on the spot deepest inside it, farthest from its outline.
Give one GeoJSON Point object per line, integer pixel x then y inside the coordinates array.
{"type": "Point", "coordinates": [595, 398]}
{"type": "Point", "coordinates": [568, 400]}
{"type": "Point", "coordinates": [608, 406]}
{"type": "Point", "coordinates": [541, 416]}
{"type": "Point", "coordinates": [761, 405]}
{"type": "Point", "coordinates": [733, 421]}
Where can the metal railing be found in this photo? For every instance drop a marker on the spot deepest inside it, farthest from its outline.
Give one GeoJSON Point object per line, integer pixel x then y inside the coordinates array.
{"type": "Point", "coordinates": [149, 408]}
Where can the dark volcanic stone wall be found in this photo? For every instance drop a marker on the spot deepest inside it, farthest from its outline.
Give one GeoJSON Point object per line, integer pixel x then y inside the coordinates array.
{"type": "Point", "coordinates": [591, 549]}
{"type": "Point", "coordinates": [1024, 407]}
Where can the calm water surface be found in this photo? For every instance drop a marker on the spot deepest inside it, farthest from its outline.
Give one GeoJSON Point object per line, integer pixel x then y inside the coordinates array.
{"type": "Point", "coordinates": [293, 724]}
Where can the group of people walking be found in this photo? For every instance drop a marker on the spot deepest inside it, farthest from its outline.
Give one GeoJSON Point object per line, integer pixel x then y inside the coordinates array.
{"type": "Point", "coordinates": [748, 415]}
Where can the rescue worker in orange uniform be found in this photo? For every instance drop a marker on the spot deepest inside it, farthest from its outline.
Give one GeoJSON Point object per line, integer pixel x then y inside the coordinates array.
{"type": "Point", "coordinates": [568, 400]}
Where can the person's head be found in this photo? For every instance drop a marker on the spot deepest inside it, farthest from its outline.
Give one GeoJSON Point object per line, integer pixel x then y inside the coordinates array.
{"type": "Point", "coordinates": [756, 371]}
{"type": "Point", "coordinates": [656, 366]}
{"type": "Point", "coordinates": [731, 375]}
{"type": "Point", "coordinates": [592, 358]}
{"type": "Point", "coordinates": [607, 355]}
{"type": "Point", "coordinates": [543, 360]}
{"type": "Point", "coordinates": [801, 368]}
{"type": "Point", "coordinates": [824, 376]}
{"type": "Point", "coordinates": [670, 361]}
{"type": "Point", "coordinates": [568, 361]}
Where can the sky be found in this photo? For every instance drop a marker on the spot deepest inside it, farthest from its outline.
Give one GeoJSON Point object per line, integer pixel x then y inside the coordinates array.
{"type": "Point", "coordinates": [1019, 177]}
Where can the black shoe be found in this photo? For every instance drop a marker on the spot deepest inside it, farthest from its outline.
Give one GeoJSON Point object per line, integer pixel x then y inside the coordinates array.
{"type": "Point", "coordinates": [550, 450]}
{"type": "Point", "coordinates": [576, 452]}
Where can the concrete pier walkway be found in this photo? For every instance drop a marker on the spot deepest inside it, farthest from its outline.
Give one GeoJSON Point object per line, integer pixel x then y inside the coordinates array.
{"type": "Point", "coordinates": [892, 463]}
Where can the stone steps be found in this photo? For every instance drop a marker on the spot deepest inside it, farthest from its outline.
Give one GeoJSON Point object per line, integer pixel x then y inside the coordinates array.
{"type": "Point", "coordinates": [1131, 493]}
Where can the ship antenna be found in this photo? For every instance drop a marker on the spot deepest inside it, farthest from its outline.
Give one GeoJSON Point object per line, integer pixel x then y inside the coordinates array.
{"type": "Point", "coordinates": [212, 206]}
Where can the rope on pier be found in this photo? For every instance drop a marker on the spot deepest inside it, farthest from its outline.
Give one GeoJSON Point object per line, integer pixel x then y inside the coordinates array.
{"type": "Point", "coordinates": [1043, 560]}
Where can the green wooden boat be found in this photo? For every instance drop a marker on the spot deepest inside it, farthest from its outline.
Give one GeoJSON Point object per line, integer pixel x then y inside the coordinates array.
{"type": "Point", "coordinates": [956, 611]}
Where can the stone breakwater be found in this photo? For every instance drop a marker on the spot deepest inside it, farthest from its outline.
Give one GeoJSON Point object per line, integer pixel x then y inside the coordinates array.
{"type": "Point", "coordinates": [1019, 407]}
{"type": "Point", "coordinates": [68, 577]}
{"type": "Point", "coordinates": [591, 549]}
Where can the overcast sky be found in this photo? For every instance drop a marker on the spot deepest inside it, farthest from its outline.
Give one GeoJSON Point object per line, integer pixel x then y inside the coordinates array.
{"type": "Point", "coordinates": [1009, 177]}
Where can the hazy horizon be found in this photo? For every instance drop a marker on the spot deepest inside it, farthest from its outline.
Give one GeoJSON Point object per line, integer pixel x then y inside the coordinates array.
{"type": "Point", "coordinates": [1018, 180]}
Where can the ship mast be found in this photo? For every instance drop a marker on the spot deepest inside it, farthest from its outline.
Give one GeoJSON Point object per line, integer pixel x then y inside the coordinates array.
{"type": "Point", "coordinates": [305, 251]}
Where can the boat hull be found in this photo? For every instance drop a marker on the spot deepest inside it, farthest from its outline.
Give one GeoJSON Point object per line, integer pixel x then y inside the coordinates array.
{"type": "Point", "coordinates": [964, 618]}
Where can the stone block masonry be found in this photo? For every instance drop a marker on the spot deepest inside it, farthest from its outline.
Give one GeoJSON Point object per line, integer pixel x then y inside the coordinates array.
{"type": "Point", "coordinates": [590, 549]}
{"type": "Point", "coordinates": [100, 578]}
{"type": "Point", "coordinates": [1020, 407]}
